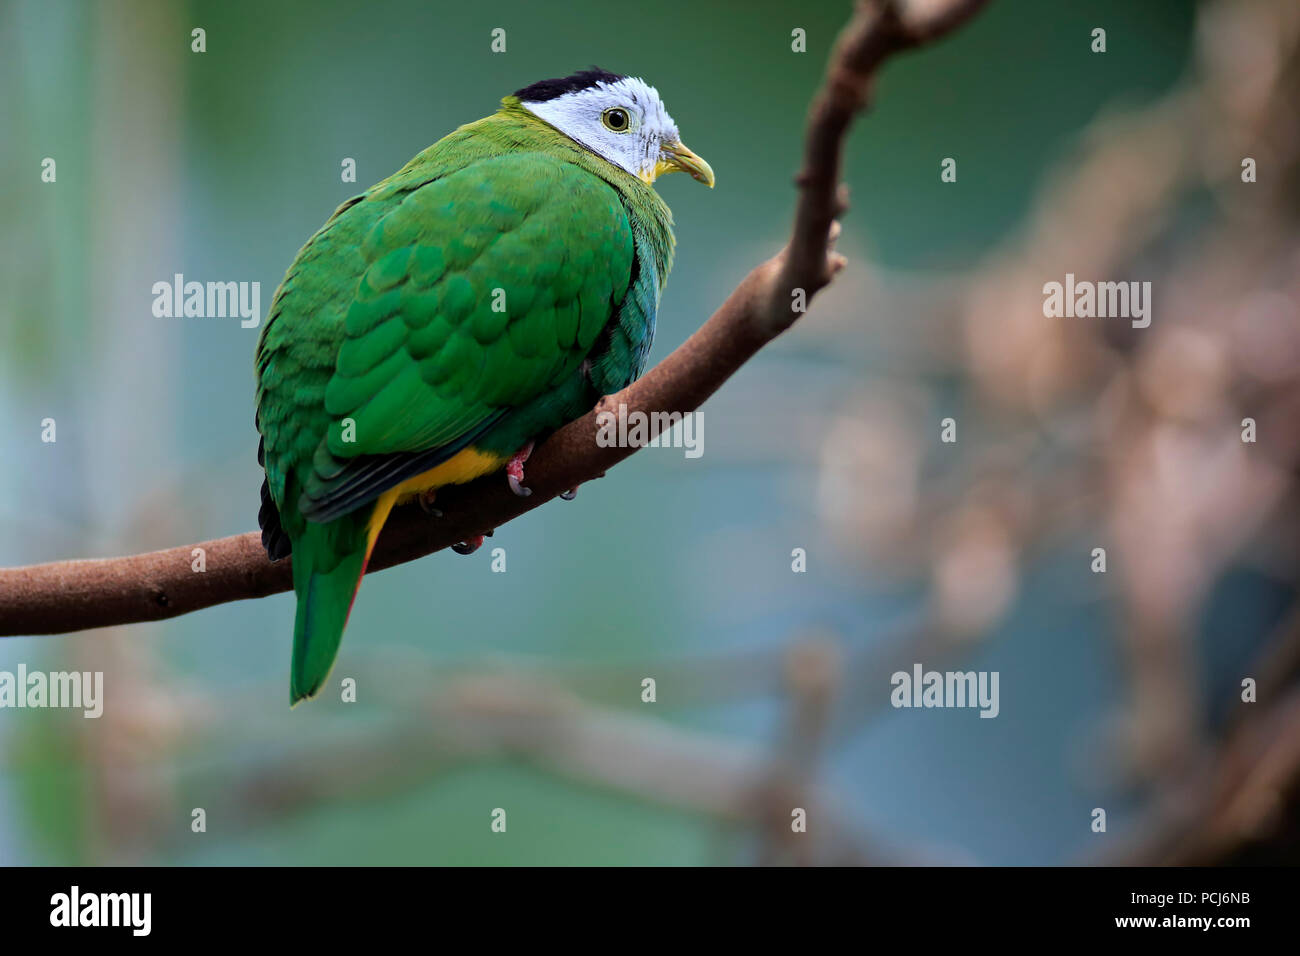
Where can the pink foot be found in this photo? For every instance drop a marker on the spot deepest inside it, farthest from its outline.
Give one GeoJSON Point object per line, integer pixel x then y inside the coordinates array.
{"type": "Point", "coordinates": [515, 471]}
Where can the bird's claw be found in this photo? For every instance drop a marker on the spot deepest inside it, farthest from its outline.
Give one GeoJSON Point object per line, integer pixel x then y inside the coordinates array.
{"type": "Point", "coordinates": [469, 546]}
{"type": "Point", "coordinates": [426, 503]}
{"type": "Point", "coordinates": [570, 494]}
{"type": "Point", "coordinates": [515, 471]}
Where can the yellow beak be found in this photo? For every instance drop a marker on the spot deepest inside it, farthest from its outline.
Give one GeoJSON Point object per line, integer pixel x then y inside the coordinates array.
{"type": "Point", "coordinates": [676, 158]}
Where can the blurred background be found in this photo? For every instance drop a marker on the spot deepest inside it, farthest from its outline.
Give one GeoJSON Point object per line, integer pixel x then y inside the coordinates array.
{"type": "Point", "coordinates": [523, 690]}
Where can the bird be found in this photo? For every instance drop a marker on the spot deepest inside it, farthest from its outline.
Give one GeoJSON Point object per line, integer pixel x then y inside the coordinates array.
{"type": "Point", "coordinates": [447, 319]}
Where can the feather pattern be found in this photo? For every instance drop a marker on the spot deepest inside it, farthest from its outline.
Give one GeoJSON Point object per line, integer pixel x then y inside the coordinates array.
{"type": "Point", "coordinates": [487, 293]}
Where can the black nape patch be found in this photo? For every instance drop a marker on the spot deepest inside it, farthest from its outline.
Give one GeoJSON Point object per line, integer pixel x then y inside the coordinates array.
{"type": "Point", "coordinates": [544, 90]}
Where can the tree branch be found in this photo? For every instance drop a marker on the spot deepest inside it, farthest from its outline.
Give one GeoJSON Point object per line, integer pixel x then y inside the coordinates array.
{"type": "Point", "coordinates": [75, 595]}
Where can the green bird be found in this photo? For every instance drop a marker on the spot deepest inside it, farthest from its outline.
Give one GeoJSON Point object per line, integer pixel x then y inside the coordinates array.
{"type": "Point", "coordinates": [452, 315]}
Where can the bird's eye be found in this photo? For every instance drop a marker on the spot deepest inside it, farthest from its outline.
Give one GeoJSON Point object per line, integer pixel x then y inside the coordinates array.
{"type": "Point", "coordinates": [615, 119]}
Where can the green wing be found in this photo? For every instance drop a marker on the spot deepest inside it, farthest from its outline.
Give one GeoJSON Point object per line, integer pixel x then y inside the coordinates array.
{"type": "Point", "coordinates": [478, 292]}
{"type": "Point", "coordinates": [483, 290]}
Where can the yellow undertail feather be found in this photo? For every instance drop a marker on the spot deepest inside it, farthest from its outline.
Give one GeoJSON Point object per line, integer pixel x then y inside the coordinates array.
{"type": "Point", "coordinates": [460, 468]}
{"type": "Point", "coordinates": [325, 597]}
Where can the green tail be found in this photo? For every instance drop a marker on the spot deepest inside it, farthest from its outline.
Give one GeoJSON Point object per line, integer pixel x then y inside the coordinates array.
{"type": "Point", "coordinates": [328, 561]}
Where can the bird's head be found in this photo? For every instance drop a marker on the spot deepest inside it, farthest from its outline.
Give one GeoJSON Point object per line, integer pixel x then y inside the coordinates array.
{"type": "Point", "coordinates": [619, 118]}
